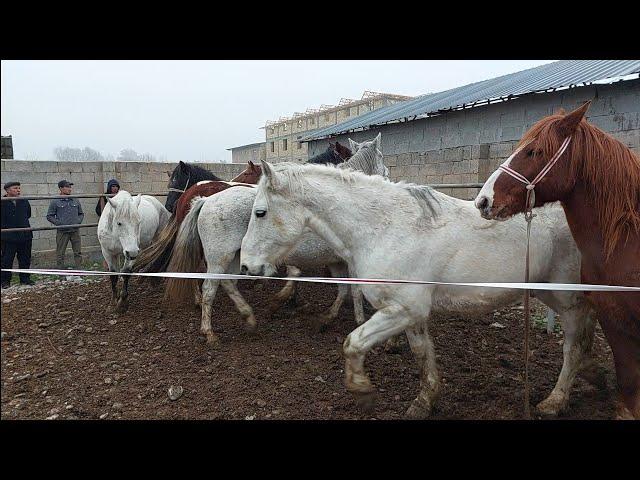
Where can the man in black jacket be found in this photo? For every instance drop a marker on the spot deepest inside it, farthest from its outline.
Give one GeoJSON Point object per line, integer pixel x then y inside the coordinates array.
{"type": "Point", "coordinates": [15, 214]}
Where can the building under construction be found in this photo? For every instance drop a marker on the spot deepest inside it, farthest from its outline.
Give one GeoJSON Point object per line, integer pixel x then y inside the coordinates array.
{"type": "Point", "coordinates": [283, 135]}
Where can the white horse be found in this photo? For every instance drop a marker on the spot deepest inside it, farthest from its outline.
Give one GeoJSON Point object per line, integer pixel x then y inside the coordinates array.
{"type": "Point", "coordinates": [214, 229]}
{"type": "Point", "coordinates": [126, 226]}
{"type": "Point", "coordinates": [395, 230]}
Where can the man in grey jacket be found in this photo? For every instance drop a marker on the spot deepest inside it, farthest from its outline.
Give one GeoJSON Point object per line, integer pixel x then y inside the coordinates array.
{"type": "Point", "coordinates": [66, 211]}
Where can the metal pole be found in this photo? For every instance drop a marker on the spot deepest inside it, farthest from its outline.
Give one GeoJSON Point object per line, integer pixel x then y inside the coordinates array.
{"type": "Point", "coordinates": [82, 195]}
{"type": "Point", "coordinates": [56, 227]}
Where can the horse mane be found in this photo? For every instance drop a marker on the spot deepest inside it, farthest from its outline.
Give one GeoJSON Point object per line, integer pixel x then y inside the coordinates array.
{"type": "Point", "coordinates": [200, 173]}
{"type": "Point", "coordinates": [365, 160]}
{"type": "Point", "coordinates": [294, 179]}
{"type": "Point", "coordinates": [609, 168]}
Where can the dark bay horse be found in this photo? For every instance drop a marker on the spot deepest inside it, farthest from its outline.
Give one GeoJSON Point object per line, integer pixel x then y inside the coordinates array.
{"type": "Point", "coordinates": [334, 154]}
{"type": "Point", "coordinates": [597, 180]}
{"type": "Point", "coordinates": [184, 176]}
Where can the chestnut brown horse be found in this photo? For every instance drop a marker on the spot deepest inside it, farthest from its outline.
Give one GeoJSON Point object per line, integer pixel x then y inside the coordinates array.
{"type": "Point", "coordinates": [597, 180]}
{"type": "Point", "coordinates": [156, 257]}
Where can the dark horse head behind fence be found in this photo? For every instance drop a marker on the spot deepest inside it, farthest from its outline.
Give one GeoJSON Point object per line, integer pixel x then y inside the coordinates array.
{"type": "Point", "coordinates": [335, 154]}
{"type": "Point", "coordinates": [184, 176]}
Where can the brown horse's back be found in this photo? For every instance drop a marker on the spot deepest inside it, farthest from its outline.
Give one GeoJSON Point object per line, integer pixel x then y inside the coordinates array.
{"type": "Point", "coordinates": [204, 190]}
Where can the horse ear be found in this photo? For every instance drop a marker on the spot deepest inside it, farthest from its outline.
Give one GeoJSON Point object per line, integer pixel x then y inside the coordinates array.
{"type": "Point", "coordinates": [269, 174]}
{"type": "Point", "coordinates": [137, 200]}
{"type": "Point", "coordinates": [111, 202]}
{"type": "Point", "coordinates": [378, 141]}
{"type": "Point", "coordinates": [169, 173]}
{"type": "Point", "coordinates": [183, 166]}
{"type": "Point", "coordinates": [570, 121]}
{"type": "Point", "coordinates": [353, 145]}
{"type": "Point", "coordinates": [251, 165]}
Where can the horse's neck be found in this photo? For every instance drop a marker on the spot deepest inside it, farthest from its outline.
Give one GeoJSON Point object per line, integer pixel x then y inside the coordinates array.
{"type": "Point", "coordinates": [348, 222]}
{"type": "Point", "coordinates": [583, 223]}
{"type": "Point", "coordinates": [200, 175]}
{"type": "Point", "coordinates": [363, 160]}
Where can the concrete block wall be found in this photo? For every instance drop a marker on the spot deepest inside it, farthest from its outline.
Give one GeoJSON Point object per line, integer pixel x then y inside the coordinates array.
{"type": "Point", "coordinates": [41, 178]}
{"type": "Point", "coordinates": [468, 145]}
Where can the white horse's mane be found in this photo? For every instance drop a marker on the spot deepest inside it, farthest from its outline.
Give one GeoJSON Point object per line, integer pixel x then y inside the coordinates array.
{"type": "Point", "coordinates": [126, 208]}
{"type": "Point", "coordinates": [293, 178]}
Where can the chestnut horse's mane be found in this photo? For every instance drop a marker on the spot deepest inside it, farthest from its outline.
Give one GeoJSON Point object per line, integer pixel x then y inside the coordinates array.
{"type": "Point", "coordinates": [609, 168]}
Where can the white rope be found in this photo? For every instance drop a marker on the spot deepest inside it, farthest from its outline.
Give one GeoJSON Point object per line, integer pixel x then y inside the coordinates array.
{"type": "Point", "coordinates": [574, 287]}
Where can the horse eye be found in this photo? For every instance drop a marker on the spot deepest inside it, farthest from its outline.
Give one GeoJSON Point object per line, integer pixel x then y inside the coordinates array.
{"type": "Point", "coordinates": [530, 153]}
{"type": "Point", "coordinates": [261, 213]}
{"type": "Point", "coordinates": [119, 224]}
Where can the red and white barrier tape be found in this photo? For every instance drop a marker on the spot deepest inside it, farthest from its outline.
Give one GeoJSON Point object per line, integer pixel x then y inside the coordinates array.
{"type": "Point", "coordinates": [576, 287]}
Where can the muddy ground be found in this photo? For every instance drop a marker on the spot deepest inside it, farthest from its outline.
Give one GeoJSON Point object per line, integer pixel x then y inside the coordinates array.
{"type": "Point", "coordinates": [66, 356]}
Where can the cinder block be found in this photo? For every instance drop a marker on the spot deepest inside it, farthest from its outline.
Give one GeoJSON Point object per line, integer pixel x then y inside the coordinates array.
{"type": "Point", "coordinates": [453, 154]}
{"type": "Point", "coordinates": [45, 167]}
{"type": "Point", "coordinates": [444, 168]}
{"type": "Point", "coordinates": [91, 167]}
{"type": "Point", "coordinates": [19, 166]}
{"type": "Point", "coordinates": [390, 160]}
{"type": "Point", "coordinates": [68, 167]}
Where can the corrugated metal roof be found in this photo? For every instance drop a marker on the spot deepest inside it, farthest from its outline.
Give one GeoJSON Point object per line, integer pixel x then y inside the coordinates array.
{"type": "Point", "coordinates": [246, 146]}
{"type": "Point", "coordinates": [565, 73]}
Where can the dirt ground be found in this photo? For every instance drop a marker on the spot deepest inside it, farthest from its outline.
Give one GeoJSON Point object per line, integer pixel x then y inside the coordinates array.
{"type": "Point", "coordinates": [66, 356]}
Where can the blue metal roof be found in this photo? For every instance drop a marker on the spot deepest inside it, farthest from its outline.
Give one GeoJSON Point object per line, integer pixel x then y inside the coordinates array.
{"type": "Point", "coordinates": [565, 73]}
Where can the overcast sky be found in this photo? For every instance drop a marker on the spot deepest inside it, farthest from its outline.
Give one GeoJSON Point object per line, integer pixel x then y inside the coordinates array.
{"type": "Point", "coordinates": [195, 110]}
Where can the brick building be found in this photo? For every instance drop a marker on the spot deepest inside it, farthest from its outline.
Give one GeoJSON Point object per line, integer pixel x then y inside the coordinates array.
{"type": "Point", "coordinates": [254, 152]}
{"type": "Point", "coordinates": [283, 136]}
{"type": "Point", "coordinates": [461, 135]}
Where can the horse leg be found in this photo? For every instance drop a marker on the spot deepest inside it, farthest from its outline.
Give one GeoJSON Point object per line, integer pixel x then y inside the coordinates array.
{"type": "Point", "coordinates": [358, 308]}
{"type": "Point", "coordinates": [321, 321]}
{"type": "Point", "coordinates": [112, 264]}
{"type": "Point", "coordinates": [198, 295]}
{"type": "Point", "coordinates": [626, 357]}
{"type": "Point", "coordinates": [123, 298]}
{"type": "Point", "coordinates": [241, 304]}
{"type": "Point", "coordinates": [425, 355]}
{"type": "Point", "coordinates": [386, 322]}
{"type": "Point", "coordinates": [578, 326]}
{"type": "Point", "coordinates": [287, 291]}
{"type": "Point", "coordinates": [209, 289]}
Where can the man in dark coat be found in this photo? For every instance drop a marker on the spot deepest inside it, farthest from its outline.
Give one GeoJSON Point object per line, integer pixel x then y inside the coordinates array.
{"type": "Point", "coordinates": [113, 187]}
{"type": "Point", "coordinates": [15, 214]}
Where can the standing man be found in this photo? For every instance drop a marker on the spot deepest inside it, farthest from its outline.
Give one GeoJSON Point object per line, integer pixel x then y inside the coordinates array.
{"type": "Point", "coordinates": [66, 211]}
{"type": "Point", "coordinates": [16, 214]}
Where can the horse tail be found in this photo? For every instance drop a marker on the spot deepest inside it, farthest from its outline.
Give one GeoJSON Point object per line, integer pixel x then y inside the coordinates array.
{"type": "Point", "coordinates": [187, 256]}
{"type": "Point", "coordinates": [155, 258]}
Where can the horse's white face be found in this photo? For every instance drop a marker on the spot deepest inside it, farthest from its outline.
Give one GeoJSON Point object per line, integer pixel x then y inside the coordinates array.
{"type": "Point", "coordinates": [126, 224]}
{"type": "Point", "coordinates": [376, 146]}
{"type": "Point", "coordinates": [275, 228]}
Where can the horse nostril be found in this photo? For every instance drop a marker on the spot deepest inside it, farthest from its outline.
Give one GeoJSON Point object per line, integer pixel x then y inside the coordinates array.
{"type": "Point", "coordinates": [243, 269]}
{"type": "Point", "coordinates": [483, 203]}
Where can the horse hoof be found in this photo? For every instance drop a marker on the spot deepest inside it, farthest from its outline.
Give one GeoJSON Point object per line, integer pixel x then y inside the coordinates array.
{"type": "Point", "coordinates": [213, 341]}
{"type": "Point", "coordinates": [251, 326]}
{"type": "Point", "coordinates": [366, 401]}
{"type": "Point", "coordinates": [550, 407]}
{"type": "Point", "coordinates": [417, 410]}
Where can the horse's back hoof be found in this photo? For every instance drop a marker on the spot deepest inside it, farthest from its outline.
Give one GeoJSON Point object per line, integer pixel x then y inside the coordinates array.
{"type": "Point", "coordinates": [550, 407]}
{"type": "Point", "coordinates": [251, 326]}
{"type": "Point", "coordinates": [417, 411]}
{"type": "Point", "coordinates": [213, 341]}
